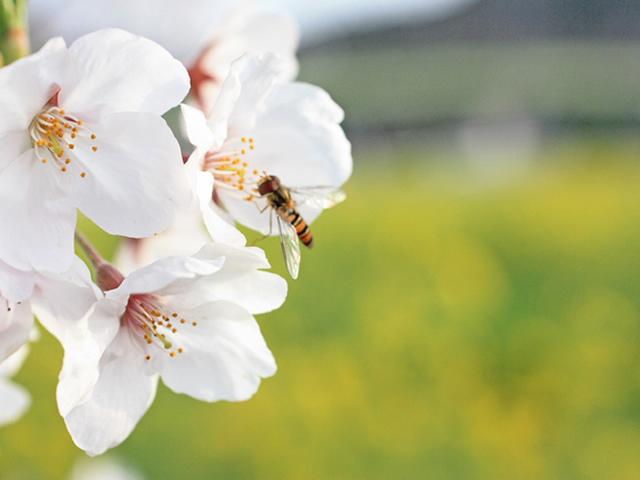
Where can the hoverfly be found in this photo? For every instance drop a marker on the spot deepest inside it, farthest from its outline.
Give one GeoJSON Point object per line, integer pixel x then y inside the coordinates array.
{"type": "Point", "coordinates": [291, 226]}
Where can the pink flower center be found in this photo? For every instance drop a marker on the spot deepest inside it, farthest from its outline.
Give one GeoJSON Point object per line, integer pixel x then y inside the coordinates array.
{"type": "Point", "coordinates": [156, 325]}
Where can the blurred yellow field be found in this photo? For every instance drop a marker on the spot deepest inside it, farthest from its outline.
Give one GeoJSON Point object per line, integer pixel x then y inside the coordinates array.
{"type": "Point", "coordinates": [440, 330]}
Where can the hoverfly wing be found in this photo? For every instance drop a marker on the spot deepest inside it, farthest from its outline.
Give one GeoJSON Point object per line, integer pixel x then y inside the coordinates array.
{"type": "Point", "coordinates": [318, 197]}
{"type": "Point", "coordinates": [290, 247]}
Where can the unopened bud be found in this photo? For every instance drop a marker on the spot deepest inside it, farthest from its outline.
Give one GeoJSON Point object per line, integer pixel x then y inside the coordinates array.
{"type": "Point", "coordinates": [108, 277]}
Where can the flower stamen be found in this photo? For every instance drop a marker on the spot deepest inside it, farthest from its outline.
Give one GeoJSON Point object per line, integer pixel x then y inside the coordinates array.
{"type": "Point", "coordinates": [55, 134]}
{"type": "Point", "coordinates": [230, 167]}
{"type": "Point", "coordinates": [146, 316]}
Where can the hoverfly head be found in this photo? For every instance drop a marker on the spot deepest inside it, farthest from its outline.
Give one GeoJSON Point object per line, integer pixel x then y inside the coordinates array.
{"type": "Point", "coordinates": [268, 184]}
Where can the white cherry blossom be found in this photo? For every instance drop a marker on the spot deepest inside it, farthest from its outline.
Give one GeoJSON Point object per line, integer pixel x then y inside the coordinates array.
{"type": "Point", "coordinates": [249, 28]}
{"type": "Point", "coordinates": [264, 124]}
{"type": "Point", "coordinates": [81, 128]}
{"type": "Point", "coordinates": [186, 320]}
{"type": "Point", "coordinates": [205, 35]}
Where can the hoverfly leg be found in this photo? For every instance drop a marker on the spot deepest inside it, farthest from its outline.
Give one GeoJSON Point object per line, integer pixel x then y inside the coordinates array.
{"type": "Point", "coordinates": [263, 237]}
{"type": "Point", "coordinates": [261, 210]}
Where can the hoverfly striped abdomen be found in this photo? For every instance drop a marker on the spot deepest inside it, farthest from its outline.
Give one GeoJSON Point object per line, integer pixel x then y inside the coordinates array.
{"type": "Point", "coordinates": [302, 229]}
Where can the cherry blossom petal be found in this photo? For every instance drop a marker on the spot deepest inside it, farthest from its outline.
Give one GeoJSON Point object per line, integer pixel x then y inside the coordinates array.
{"type": "Point", "coordinates": [15, 402]}
{"type": "Point", "coordinates": [64, 306]}
{"type": "Point", "coordinates": [84, 343]}
{"type": "Point", "coordinates": [166, 272]}
{"type": "Point", "coordinates": [249, 29]}
{"type": "Point", "coordinates": [219, 228]}
{"type": "Point", "coordinates": [135, 180]}
{"type": "Point", "coordinates": [239, 281]}
{"type": "Point", "coordinates": [15, 285]}
{"type": "Point", "coordinates": [148, 78]}
{"type": "Point", "coordinates": [25, 86]}
{"type": "Point", "coordinates": [255, 29]}
{"type": "Point", "coordinates": [119, 399]}
{"type": "Point", "coordinates": [66, 296]}
{"type": "Point", "coordinates": [225, 356]}
{"type": "Point", "coordinates": [16, 322]}
{"type": "Point", "coordinates": [198, 132]}
{"type": "Point", "coordinates": [40, 218]}
{"type": "Point", "coordinates": [250, 81]}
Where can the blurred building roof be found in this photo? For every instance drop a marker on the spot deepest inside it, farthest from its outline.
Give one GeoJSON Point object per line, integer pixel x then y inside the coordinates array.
{"type": "Point", "coordinates": [506, 20]}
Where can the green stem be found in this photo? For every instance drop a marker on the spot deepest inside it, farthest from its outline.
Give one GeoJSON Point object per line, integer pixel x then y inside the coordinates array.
{"type": "Point", "coordinates": [16, 44]}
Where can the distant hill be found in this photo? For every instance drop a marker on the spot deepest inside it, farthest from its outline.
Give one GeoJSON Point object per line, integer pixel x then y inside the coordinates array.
{"type": "Point", "coordinates": [506, 20]}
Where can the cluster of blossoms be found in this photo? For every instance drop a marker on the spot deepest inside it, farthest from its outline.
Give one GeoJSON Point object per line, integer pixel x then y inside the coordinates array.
{"type": "Point", "coordinates": [82, 128]}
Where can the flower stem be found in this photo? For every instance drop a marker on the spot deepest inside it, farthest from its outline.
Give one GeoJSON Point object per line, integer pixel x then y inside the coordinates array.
{"type": "Point", "coordinates": [92, 254]}
{"type": "Point", "coordinates": [107, 276]}
{"type": "Point", "coordinates": [14, 35]}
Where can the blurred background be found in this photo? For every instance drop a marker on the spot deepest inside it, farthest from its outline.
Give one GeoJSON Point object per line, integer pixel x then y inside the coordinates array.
{"type": "Point", "coordinates": [473, 310]}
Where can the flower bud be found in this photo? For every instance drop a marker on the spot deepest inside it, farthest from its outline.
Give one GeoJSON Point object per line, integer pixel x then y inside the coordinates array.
{"type": "Point", "coordinates": [108, 277]}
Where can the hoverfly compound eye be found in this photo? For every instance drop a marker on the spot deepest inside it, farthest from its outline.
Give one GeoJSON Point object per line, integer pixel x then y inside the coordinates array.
{"type": "Point", "coordinates": [268, 184]}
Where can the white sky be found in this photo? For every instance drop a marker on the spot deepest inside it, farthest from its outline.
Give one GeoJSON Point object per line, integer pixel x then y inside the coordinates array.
{"type": "Point", "coordinates": [322, 16]}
